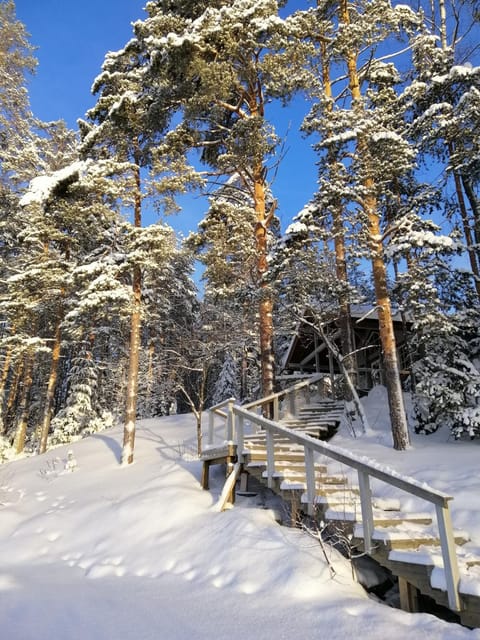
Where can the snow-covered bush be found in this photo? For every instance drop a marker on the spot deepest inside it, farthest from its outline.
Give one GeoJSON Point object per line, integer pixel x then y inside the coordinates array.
{"type": "Point", "coordinates": [81, 416]}
{"type": "Point", "coordinates": [448, 384]}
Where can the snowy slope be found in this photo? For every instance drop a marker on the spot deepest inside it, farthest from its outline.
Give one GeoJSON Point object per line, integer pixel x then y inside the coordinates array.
{"type": "Point", "coordinates": [105, 552]}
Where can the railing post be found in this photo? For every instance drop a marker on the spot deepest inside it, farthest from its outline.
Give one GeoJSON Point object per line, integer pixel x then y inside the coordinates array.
{"type": "Point", "coordinates": [211, 419]}
{"type": "Point", "coordinates": [230, 421]}
{"type": "Point", "coordinates": [270, 459]}
{"type": "Point", "coordinates": [310, 477]}
{"type": "Point", "coordinates": [239, 422]}
{"type": "Point", "coordinates": [275, 409]}
{"type": "Point", "coordinates": [292, 408]}
{"type": "Point", "coordinates": [450, 563]}
{"type": "Point", "coordinates": [306, 394]}
{"type": "Point", "coordinates": [367, 512]}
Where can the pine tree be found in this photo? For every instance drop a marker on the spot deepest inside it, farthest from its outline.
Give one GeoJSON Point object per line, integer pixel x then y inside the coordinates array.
{"type": "Point", "coordinates": [366, 151]}
{"type": "Point", "coordinates": [220, 69]}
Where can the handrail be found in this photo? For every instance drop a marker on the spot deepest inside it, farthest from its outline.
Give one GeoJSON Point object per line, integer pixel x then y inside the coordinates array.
{"type": "Point", "coordinates": [365, 468]}
{"type": "Point", "coordinates": [274, 398]}
{"type": "Point", "coordinates": [216, 410]}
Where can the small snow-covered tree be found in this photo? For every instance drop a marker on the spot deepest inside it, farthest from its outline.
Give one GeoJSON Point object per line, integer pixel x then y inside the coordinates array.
{"type": "Point", "coordinates": [226, 384]}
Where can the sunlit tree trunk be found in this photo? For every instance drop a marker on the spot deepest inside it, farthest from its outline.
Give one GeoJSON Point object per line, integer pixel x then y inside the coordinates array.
{"type": "Point", "coordinates": [134, 353]}
{"type": "Point", "coordinates": [467, 232]}
{"type": "Point", "coordinates": [266, 304]}
{"type": "Point", "coordinates": [52, 382]}
{"type": "Point", "coordinates": [22, 421]}
{"type": "Point", "coordinates": [387, 337]}
{"type": "Point", "coordinates": [346, 333]}
{"type": "Point", "coordinates": [13, 392]}
{"type": "Point", "coordinates": [3, 382]}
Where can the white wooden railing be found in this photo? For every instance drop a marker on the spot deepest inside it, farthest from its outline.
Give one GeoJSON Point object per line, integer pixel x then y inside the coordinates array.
{"type": "Point", "coordinates": [227, 416]}
{"type": "Point", "coordinates": [235, 418]}
{"type": "Point", "coordinates": [270, 405]}
{"type": "Point", "coordinates": [366, 469]}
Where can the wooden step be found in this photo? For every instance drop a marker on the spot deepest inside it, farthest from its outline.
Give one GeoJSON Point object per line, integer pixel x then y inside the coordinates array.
{"type": "Point", "coordinates": [322, 487]}
{"type": "Point", "coordinates": [320, 475]}
{"type": "Point", "coordinates": [318, 413]}
{"type": "Point", "coordinates": [285, 456]}
{"type": "Point", "coordinates": [338, 498]}
{"type": "Point", "coordinates": [408, 537]}
{"type": "Point", "coordinates": [310, 419]}
{"type": "Point", "coordinates": [289, 466]}
{"type": "Point", "coordinates": [380, 518]}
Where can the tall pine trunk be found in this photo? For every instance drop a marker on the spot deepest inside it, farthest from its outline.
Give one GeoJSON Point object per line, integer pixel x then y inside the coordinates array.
{"type": "Point", "coordinates": [3, 383]}
{"type": "Point", "coordinates": [265, 309]}
{"type": "Point", "coordinates": [22, 421]}
{"type": "Point", "coordinates": [134, 352]}
{"type": "Point", "coordinates": [398, 417]}
{"type": "Point", "coordinates": [467, 230]}
{"type": "Point", "coordinates": [52, 383]}
{"type": "Point", "coordinates": [346, 332]}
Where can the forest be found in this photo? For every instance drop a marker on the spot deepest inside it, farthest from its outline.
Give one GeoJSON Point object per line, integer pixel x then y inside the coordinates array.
{"type": "Point", "coordinates": [102, 319]}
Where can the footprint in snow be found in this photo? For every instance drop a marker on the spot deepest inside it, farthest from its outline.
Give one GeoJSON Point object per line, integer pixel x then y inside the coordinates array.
{"type": "Point", "coordinates": [104, 571]}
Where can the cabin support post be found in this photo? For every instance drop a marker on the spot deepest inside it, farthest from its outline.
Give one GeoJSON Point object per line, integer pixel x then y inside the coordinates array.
{"type": "Point", "coordinates": [408, 596]}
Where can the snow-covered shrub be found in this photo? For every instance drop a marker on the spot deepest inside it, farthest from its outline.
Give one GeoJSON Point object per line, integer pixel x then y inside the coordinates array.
{"type": "Point", "coordinates": [81, 416]}
{"type": "Point", "coordinates": [448, 384]}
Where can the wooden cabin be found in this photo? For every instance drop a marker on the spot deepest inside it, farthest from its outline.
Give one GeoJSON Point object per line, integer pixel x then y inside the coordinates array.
{"type": "Point", "coordinates": [308, 354]}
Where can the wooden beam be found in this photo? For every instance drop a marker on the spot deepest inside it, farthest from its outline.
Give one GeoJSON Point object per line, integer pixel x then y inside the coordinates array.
{"type": "Point", "coordinates": [408, 596]}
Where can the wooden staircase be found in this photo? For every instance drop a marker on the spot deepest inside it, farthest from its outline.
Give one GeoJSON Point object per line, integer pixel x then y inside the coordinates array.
{"type": "Point", "coordinates": [405, 543]}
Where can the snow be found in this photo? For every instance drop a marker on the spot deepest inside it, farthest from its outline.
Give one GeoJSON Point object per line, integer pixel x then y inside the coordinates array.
{"type": "Point", "coordinates": [42, 187]}
{"type": "Point", "coordinates": [91, 549]}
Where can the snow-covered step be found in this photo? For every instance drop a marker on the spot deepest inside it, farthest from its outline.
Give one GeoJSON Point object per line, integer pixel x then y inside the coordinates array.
{"type": "Point", "coordinates": [286, 456]}
{"type": "Point", "coordinates": [321, 486]}
{"type": "Point", "coordinates": [323, 405]}
{"type": "Point", "coordinates": [339, 498]}
{"type": "Point", "coordinates": [320, 475]}
{"type": "Point", "coordinates": [380, 518]}
{"type": "Point", "coordinates": [284, 467]}
{"type": "Point", "coordinates": [407, 536]}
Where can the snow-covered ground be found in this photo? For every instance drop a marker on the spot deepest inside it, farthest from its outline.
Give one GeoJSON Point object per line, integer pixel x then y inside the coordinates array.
{"type": "Point", "coordinates": [109, 552]}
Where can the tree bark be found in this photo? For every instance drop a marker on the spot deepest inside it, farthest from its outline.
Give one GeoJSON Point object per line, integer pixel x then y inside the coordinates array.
{"type": "Point", "coordinates": [3, 382]}
{"type": "Point", "coordinates": [398, 417]}
{"type": "Point", "coordinates": [266, 305]}
{"type": "Point", "coordinates": [134, 353]}
{"type": "Point", "coordinates": [133, 363]}
{"type": "Point", "coordinates": [52, 382]}
{"type": "Point", "coordinates": [346, 333]}
{"type": "Point", "coordinates": [467, 230]}
{"type": "Point", "coordinates": [22, 423]}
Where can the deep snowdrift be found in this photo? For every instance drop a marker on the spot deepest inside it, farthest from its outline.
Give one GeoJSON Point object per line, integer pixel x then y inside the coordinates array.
{"type": "Point", "coordinates": [106, 552]}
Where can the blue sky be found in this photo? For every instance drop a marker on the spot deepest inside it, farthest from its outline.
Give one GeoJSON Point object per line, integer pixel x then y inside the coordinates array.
{"type": "Point", "coordinates": [72, 39]}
